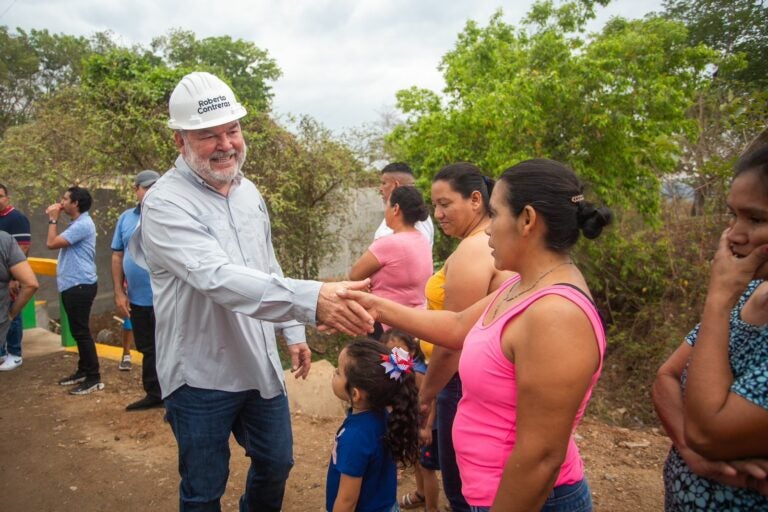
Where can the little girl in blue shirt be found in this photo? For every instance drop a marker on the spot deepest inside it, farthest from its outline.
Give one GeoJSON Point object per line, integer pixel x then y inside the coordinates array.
{"type": "Point", "coordinates": [380, 430]}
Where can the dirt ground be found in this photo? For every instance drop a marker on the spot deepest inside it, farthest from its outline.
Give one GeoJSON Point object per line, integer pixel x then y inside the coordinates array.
{"type": "Point", "coordinates": [61, 453]}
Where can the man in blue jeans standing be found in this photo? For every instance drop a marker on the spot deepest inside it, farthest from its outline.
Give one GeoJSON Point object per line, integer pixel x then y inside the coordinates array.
{"type": "Point", "coordinates": [133, 294]}
{"type": "Point", "coordinates": [76, 281]}
{"type": "Point", "coordinates": [16, 224]}
{"type": "Point", "coordinates": [219, 295]}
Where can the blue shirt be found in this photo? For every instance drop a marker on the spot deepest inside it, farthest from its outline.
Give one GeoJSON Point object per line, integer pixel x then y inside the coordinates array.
{"type": "Point", "coordinates": [77, 261]}
{"type": "Point", "coordinates": [139, 286]}
{"type": "Point", "coordinates": [359, 451]}
{"type": "Point", "coordinates": [748, 357]}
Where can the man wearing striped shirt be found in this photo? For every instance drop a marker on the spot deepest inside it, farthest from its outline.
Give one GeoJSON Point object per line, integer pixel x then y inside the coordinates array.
{"type": "Point", "coordinates": [16, 224]}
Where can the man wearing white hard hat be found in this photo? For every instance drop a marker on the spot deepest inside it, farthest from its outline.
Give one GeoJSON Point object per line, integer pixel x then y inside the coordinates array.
{"type": "Point", "coordinates": [219, 296]}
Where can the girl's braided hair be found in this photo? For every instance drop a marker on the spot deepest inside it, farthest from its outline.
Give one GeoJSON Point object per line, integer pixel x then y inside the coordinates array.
{"type": "Point", "coordinates": [398, 396]}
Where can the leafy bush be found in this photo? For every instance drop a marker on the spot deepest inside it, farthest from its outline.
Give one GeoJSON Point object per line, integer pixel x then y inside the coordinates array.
{"type": "Point", "coordinates": [650, 285]}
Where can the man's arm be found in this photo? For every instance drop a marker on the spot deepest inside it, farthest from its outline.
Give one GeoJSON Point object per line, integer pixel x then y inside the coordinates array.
{"type": "Point", "coordinates": [53, 240]}
{"type": "Point", "coordinates": [176, 242]}
{"type": "Point", "coordinates": [28, 285]}
{"type": "Point", "coordinates": [118, 278]}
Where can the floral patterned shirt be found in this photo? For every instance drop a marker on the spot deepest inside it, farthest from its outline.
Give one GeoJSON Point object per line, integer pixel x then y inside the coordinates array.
{"type": "Point", "coordinates": [748, 353]}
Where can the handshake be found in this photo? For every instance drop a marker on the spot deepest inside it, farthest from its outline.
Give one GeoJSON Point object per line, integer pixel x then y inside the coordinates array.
{"type": "Point", "coordinates": [346, 307]}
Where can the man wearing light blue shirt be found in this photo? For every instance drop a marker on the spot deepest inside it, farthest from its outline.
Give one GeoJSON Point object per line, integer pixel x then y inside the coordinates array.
{"type": "Point", "coordinates": [76, 281]}
{"type": "Point", "coordinates": [133, 294]}
{"type": "Point", "coordinates": [219, 296]}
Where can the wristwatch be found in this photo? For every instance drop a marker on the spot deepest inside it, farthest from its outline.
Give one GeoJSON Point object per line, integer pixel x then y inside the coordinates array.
{"type": "Point", "coordinates": [53, 221]}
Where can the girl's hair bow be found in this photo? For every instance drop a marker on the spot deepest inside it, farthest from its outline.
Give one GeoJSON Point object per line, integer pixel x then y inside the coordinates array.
{"type": "Point", "coordinates": [397, 363]}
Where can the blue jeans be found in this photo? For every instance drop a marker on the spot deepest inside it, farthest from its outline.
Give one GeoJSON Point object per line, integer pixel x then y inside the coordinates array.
{"type": "Point", "coordinates": [447, 403]}
{"type": "Point", "coordinates": [563, 498]}
{"type": "Point", "coordinates": [202, 420]}
{"type": "Point", "coordinates": [12, 343]}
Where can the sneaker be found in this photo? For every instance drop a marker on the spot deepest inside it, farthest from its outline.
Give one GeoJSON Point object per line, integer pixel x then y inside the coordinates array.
{"type": "Point", "coordinates": [148, 402]}
{"type": "Point", "coordinates": [86, 388]}
{"type": "Point", "coordinates": [75, 378]}
{"type": "Point", "coordinates": [11, 363]}
{"type": "Point", "coordinates": [125, 363]}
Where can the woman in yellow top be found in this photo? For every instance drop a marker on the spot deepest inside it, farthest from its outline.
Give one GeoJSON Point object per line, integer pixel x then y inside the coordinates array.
{"type": "Point", "coordinates": [460, 196]}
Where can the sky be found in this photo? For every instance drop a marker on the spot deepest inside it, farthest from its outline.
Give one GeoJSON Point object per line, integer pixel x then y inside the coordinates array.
{"type": "Point", "coordinates": [342, 61]}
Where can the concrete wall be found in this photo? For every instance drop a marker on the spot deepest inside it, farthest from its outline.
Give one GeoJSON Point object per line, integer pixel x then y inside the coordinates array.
{"type": "Point", "coordinates": [355, 232]}
{"type": "Point", "coordinates": [355, 229]}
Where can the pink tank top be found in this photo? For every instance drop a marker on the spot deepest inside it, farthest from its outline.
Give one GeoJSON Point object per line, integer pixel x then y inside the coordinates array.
{"type": "Point", "coordinates": [484, 428]}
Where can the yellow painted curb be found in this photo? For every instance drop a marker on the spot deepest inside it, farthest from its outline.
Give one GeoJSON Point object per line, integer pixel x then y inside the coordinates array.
{"type": "Point", "coordinates": [112, 352]}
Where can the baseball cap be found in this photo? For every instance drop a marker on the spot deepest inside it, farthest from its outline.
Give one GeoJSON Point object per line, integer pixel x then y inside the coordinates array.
{"type": "Point", "coordinates": [146, 178]}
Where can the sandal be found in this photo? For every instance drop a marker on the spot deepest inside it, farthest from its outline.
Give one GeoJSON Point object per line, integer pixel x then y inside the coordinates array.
{"type": "Point", "coordinates": [412, 500]}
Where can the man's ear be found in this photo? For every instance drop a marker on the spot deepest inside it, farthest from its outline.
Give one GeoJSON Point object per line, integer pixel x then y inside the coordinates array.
{"type": "Point", "coordinates": [179, 141]}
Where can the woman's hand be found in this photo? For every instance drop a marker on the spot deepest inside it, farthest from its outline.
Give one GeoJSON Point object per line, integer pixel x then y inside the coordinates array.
{"type": "Point", "coordinates": [719, 471]}
{"type": "Point", "coordinates": [730, 273]}
{"type": "Point", "coordinates": [756, 471]}
{"type": "Point", "coordinates": [366, 299]}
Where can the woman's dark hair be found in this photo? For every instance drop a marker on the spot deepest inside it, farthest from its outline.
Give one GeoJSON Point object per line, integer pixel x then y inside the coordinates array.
{"type": "Point", "coordinates": [364, 371]}
{"type": "Point", "coordinates": [755, 161]}
{"type": "Point", "coordinates": [411, 204]}
{"type": "Point", "coordinates": [82, 196]}
{"type": "Point", "coordinates": [414, 347]}
{"type": "Point", "coordinates": [466, 178]}
{"type": "Point", "coordinates": [556, 193]}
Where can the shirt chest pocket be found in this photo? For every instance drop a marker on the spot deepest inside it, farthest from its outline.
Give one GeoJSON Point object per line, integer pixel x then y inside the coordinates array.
{"type": "Point", "coordinates": [254, 241]}
{"type": "Point", "coordinates": [219, 227]}
{"type": "Point", "coordinates": [244, 237]}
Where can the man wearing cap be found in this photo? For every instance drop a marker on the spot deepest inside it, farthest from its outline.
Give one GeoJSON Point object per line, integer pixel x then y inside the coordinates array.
{"type": "Point", "coordinates": [219, 296]}
{"type": "Point", "coordinates": [133, 294]}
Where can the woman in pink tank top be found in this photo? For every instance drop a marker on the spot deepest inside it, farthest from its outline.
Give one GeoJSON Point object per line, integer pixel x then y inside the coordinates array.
{"type": "Point", "coordinates": [532, 351]}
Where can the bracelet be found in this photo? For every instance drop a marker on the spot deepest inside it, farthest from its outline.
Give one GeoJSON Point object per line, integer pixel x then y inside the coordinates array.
{"type": "Point", "coordinates": [53, 221]}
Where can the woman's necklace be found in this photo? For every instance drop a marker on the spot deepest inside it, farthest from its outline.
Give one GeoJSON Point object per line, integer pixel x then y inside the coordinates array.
{"type": "Point", "coordinates": [508, 297]}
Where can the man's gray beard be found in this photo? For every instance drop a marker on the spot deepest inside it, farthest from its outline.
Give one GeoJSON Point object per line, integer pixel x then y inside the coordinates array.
{"type": "Point", "coordinates": [202, 166]}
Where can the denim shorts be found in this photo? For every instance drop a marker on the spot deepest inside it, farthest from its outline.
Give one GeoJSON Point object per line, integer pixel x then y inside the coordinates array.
{"type": "Point", "coordinates": [428, 458]}
{"type": "Point", "coordinates": [563, 498]}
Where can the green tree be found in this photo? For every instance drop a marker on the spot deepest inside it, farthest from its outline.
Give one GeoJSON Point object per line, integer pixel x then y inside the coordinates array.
{"type": "Point", "coordinates": [732, 27]}
{"type": "Point", "coordinates": [248, 68]}
{"type": "Point", "coordinates": [306, 180]}
{"type": "Point", "coordinates": [613, 106]}
{"type": "Point", "coordinates": [32, 65]}
{"type": "Point", "coordinates": [112, 122]}
{"type": "Point", "coordinates": [732, 106]}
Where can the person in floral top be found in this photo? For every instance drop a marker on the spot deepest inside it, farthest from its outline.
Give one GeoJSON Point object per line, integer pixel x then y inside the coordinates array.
{"type": "Point", "coordinates": [712, 393]}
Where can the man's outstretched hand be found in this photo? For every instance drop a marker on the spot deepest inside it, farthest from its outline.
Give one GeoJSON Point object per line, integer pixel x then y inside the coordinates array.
{"type": "Point", "coordinates": [343, 315]}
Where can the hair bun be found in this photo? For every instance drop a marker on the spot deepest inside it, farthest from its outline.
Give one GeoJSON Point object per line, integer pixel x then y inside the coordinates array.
{"type": "Point", "coordinates": [592, 219]}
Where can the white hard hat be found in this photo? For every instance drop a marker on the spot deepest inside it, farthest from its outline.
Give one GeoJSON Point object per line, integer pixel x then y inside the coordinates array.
{"type": "Point", "coordinates": [202, 100]}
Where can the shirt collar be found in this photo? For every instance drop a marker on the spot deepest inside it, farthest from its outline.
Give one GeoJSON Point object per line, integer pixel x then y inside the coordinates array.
{"type": "Point", "coordinates": [6, 211]}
